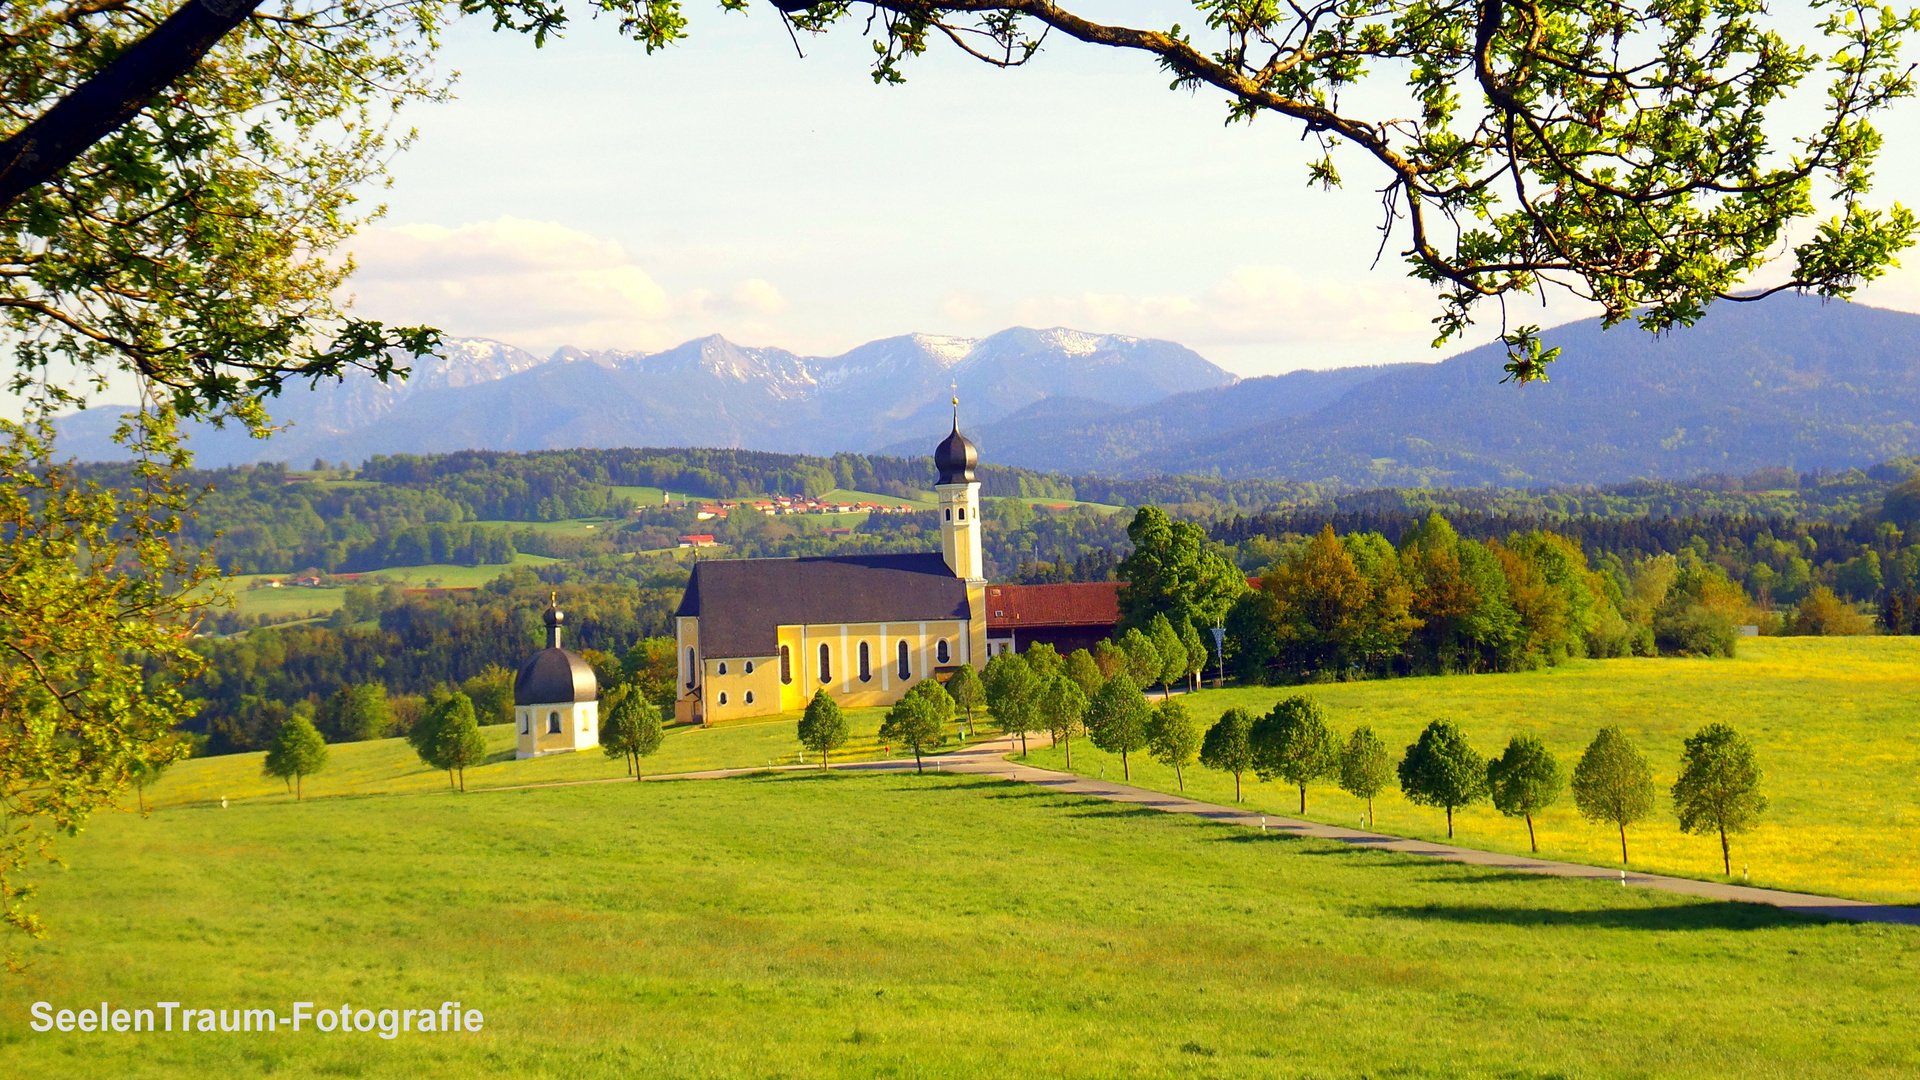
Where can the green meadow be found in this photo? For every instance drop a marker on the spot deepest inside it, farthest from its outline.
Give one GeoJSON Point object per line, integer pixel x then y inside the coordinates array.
{"type": "Point", "coordinates": [1835, 723]}
{"type": "Point", "coordinates": [892, 925]}
{"type": "Point", "coordinates": [298, 600]}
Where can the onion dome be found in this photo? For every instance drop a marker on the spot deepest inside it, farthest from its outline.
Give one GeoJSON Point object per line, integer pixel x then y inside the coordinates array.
{"type": "Point", "coordinates": [955, 457]}
{"type": "Point", "coordinates": [554, 676]}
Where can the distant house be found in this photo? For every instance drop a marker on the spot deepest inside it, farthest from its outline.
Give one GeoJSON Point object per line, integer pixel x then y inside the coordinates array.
{"type": "Point", "coordinates": [700, 541]}
{"type": "Point", "coordinates": [1072, 616]}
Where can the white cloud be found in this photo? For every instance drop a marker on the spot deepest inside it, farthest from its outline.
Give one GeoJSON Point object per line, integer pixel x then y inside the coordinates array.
{"type": "Point", "coordinates": [540, 285]}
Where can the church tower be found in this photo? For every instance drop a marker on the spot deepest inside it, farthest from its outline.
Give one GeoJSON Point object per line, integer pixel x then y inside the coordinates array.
{"type": "Point", "coordinates": [959, 495]}
{"type": "Point", "coordinates": [556, 699]}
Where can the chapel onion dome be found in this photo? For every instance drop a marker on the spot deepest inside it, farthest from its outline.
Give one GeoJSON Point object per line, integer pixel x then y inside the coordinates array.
{"type": "Point", "coordinates": [554, 676]}
{"type": "Point", "coordinates": [955, 457]}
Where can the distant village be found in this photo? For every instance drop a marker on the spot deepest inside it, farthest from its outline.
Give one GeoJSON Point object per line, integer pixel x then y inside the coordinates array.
{"type": "Point", "coordinates": [797, 504]}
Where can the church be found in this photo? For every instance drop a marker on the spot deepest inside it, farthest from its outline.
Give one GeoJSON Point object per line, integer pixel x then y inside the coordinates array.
{"type": "Point", "coordinates": [756, 637]}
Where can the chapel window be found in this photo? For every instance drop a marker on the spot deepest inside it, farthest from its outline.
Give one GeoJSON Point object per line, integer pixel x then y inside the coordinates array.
{"type": "Point", "coordinates": [690, 669]}
{"type": "Point", "coordinates": [723, 667]}
{"type": "Point", "coordinates": [749, 697]}
{"type": "Point", "coordinates": [905, 670]}
{"type": "Point", "coordinates": [866, 673]}
{"type": "Point", "coordinates": [526, 723]}
{"type": "Point", "coordinates": [723, 697]}
{"type": "Point", "coordinates": [826, 666]}
{"type": "Point", "coordinates": [786, 667]}
{"type": "Point", "coordinates": [553, 723]}
{"type": "Point", "coordinates": [940, 651]}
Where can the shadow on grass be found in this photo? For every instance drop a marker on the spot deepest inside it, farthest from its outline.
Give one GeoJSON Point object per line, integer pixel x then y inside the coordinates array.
{"type": "Point", "coordinates": [1700, 916]}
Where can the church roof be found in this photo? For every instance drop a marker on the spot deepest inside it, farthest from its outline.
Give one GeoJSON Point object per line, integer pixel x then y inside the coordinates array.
{"type": "Point", "coordinates": [554, 677]}
{"type": "Point", "coordinates": [741, 602]}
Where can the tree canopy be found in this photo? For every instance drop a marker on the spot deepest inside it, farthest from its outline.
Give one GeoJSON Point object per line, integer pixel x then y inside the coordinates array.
{"type": "Point", "coordinates": [1442, 769]}
{"type": "Point", "coordinates": [1525, 780]}
{"type": "Point", "coordinates": [823, 727]}
{"type": "Point", "coordinates": [1613, 782]}
{"type": "Point", "coordinates": [1718, 789]}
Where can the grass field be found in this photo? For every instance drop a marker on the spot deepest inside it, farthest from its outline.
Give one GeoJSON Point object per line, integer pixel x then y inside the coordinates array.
{"type": "Point", "coordinates": [902, 926]}
{"type": "Point", "coordinates": [389, 766]}
{"type": "Point", "coordinates": [294, 600]}
{"type": "Point", "coordinates": [1835, 723]}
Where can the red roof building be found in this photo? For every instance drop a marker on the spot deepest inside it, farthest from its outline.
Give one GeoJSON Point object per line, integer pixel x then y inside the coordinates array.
{"type": "Point", "coordinates": [1068, 617]}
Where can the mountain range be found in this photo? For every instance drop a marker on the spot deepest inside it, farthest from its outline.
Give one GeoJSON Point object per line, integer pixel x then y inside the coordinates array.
{"type": "Point", "coordinates": [1793, 381]}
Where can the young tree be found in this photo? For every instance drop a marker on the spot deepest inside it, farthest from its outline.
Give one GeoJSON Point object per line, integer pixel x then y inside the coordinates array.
{"type": "Point", "coordinates": [1719, 787]}
{"type": "Point", "coordinates": [1063, 707]}
{"type": "Point", "coordinates": [1117, 719]}
{"type": "Point", "coordinates": [1525, 780]}
{"type": "Point", "coordinates": [1044, 659]}
{"type": "Point", "coordinates": [1365, 767]}
{"type": "Point", "coordinates": [919, 719]}
{"type": "Point", "coordinates": [1443, 770]}
{"type": "Point", "coordinates": [1294, 743]}
{"type": "Point", "coordinates": [424, 735]}
{"type": "Point", "coordinates": [1228, 746]}
{"type": "Point", "coordinates": [1143, 660]}
{"type": "Point", "coordinates": [1173, 738]}
{"type": "Point", "coordinates": [1197, 654]}
{"type": "Point", "coordinates": [145, 773]}
{"type": "Point", "coordinates": [1110, 659]}
{"type": "Point", "coordinates": [632, 728]}
{"type": "Point", "coordinates": [967, 692]}
{"type": "Point", "coordinates": [823, 728]}
{"type": "Point", "coordinates": [457, 742]}
{"type": "Point", "coordinates": [1084, 672]}
{"type": "Point", "coordinates": [297, 752]}
{"type": "Point", "coordinates": [1011, 689]}
{"type": "Point", "coordinates": [1612, 782]}
{"type": "Point", "coordinates": [1171, 651]}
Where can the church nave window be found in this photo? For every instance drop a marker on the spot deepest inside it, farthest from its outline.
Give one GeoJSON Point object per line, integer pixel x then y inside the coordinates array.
{"type": "Point", "coordinates": [826, 665]}
{"type": "Point", "coordinates": [723, 667]}
{"type": "Point", "coordinates": [963, 513]}
{"type": "Point", "coordinates": [723, 697]}
{"type": "Point", "coordinates": [906, 671]}
{"type": "Point", "coordinates": [786, 667]}
{"type": "Point", "coordinates": [749, 698]}
{"type": "Point", "coordinates": [866, 673]}
{"type": "Point", "coordinates": [940, 651]}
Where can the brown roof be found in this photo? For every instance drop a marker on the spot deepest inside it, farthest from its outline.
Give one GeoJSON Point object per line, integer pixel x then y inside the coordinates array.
{"type": "Point", "coordinates": [740, 602]}
{"type": "Point", "coordinates": [1082, 603]}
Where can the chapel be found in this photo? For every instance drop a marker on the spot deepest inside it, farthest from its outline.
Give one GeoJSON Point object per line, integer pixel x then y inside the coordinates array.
{"type": "Point", "coordinates": [757, 637]}
{"type": "Point", "coordinates": [556, 699]}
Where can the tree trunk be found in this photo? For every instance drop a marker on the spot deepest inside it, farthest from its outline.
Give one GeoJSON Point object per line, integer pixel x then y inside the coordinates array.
{"type": "Point", "coordinates": [1370, 822]}
{"type": "Point", "coordinates": [1532, 841]}
{"type": "Point", "coordinates": [1236, 787]}
{"type": "Point", "coordinates": [1180, 776]}
{"type": "Point", "coordinates": [1069, 742]}
{"type": "Point", "coordinates": [299, 787]}
{"type": "Point", "coordinates": [1623, 843]}
{"type": "Point", "coordinates": [1726, 857]}
{"type": "Point", "coordinates": [1023, 744]}
{"type": "Point", "coordinates": [916, 760]}
{"type": "Point", "coordinates": [1449, 822]}
{"type": "Point", "coordinates": [1303, 798]}
{"type": "Point", "coordinates": [1126, 770]}
{"type": "Point", "coordinates": [115, 94]}
{"type": "Point", "coordinates": [463, 779]}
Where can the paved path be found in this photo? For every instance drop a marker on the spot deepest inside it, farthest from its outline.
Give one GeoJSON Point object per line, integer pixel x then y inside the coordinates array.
{"type": "Point", "coordinates": [989, 759]}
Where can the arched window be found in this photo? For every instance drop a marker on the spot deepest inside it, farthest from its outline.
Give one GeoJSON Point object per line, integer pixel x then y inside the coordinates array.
{"type": "Point", "coordinates": [866, 673]}
{"type": "Point", "coordinates": [949, 513]}
{"type": "Point", "coordinates": [553, 723]}
{"type": "Point", "coordinates": [826, 665]}
{"type": "Point", "coordinates": [723, 697]}
{"type": "Point", "coordinates": [690, 669]}
{"type": "Point", "coordinates": [749, 667]}
{"type": "Point", "coordinates": [786, 667]}
{"type": "Point", "coordinates": [749, 697]}
{"type": "Point", "coordinates": [963, 513]}
{"type": "Point", "coordinates": [723, 667]}
{"type": "Point", "coordinates": [906, 672]}
{"type": "Point", "coordinates": [526, 723]}
{"type": "Point", "coordinates": [940, 651]}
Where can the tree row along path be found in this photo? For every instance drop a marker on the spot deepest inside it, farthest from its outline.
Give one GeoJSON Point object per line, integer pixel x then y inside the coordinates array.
{"type": "Point", "coordinates": [990, 759]}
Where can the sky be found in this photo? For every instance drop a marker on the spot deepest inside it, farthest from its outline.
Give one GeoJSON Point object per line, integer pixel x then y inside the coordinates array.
{"type": "Point", "coordinates": [589, 194]}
